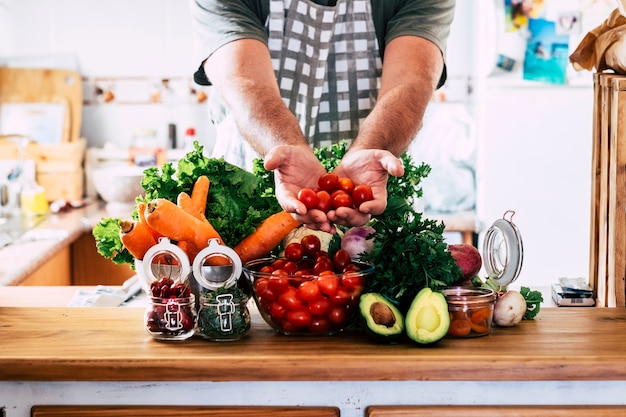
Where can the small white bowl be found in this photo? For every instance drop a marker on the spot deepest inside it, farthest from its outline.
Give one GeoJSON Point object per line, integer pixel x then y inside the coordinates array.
{"type": "Point", "coordinates": [119, 184]}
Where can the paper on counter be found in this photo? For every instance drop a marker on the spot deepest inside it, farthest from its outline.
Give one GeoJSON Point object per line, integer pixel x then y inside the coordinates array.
{"type": "Point", "coordinates": [107, 296]}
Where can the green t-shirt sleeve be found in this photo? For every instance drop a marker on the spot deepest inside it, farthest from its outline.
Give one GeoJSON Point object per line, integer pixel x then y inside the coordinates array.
{"type": "Point", "coordinates": [218, 22]}
{"type": "Point", "coordinates": [428, 19]}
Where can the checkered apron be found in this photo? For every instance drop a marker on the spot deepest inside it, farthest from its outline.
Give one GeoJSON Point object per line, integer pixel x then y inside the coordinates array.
{"type": "Point", "coordinates": [327, 65]}
{"type": "Point", "coordinates": [328, 69]}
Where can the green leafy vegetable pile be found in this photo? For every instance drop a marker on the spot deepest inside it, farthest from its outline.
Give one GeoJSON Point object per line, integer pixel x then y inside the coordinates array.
{"type": "Point", "coordinates": [236, 201]}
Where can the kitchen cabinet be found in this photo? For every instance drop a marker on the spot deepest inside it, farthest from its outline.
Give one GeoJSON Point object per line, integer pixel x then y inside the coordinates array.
{"type": "Point", "coordinates": [181, 411]}
{"type": "Point", "coordinates": [90, 268]}
{"type": "Point", "coordinates": [54, 271]}
{"type": "Point", "coordinates": [78, 264]}
{"type": "Point", "coordinates": [497, 411]}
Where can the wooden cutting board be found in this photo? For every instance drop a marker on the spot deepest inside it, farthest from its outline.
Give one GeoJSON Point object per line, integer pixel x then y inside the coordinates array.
{"type": "Point", "coordinates": [37, 85]}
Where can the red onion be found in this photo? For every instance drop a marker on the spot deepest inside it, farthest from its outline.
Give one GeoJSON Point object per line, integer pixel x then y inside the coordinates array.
{"type": "Point", "coordinates": [355, 240]}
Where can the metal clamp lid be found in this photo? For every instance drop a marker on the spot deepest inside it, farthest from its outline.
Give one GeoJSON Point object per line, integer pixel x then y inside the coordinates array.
{"type": "Point", "coordinates": [212, 275]}
{"type": "Point", "coordinates": [503, 250]}
{"type": "Point", "coordinates": [165, 259]}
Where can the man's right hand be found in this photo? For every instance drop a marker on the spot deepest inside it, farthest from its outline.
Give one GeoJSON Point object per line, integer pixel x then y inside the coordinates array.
{"type": "Point", "coordinates": [296, 167]}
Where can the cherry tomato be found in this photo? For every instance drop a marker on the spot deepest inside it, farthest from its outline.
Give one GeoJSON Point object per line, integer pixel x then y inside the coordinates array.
{"type": "Point", "coordinates": [322, 254]}
{"type": "Point", "coordinates": [341, 260]}
{"type": "Point", "coordinates": [291, 267]}
{"type": "Point", "coordinates": [328, 182]}
{"type": "Point", "coordinates": [319, 325]}
{"type": "Point", "coordinates": [329, 284]}
{"type": "Point", "coordinates": [264, 291]}
{"type": "Point", "coordinates": [278, 283]}
{"type": "Point", "coordinates": [337, 314]}
{"type": "Point", "coordinates": [288, 327]}
{"type": "Point", "coordinates": [290, 299]}
{"type": "Point", "coordinates": [342, 296]}
{"type": "Point", "coordinates": [342, 200]}
{"type": "Point", "coordinates": [310, 244]}
{"type": "Point", "coordinates": [320, 307]}
{"type": "Point", "coordinates": [352, 267]}
{"type": "Point", "coordinates": [336, 193]}
{"type": "Point", "coordinates": [353, 281]}
{"type": "Point", "coordinates": [324, 202]}
{"type": "Point", "coordinates": [309, 290]}
{"type": "Point", "coordinates": [267, 269]}
{"type": "Point", "coordinates": [308, 197]}
{"type": "Point", "coordinates": [277, 311]}
{"type": "Point", "coordinates": [321, 266]}
{"type": "Point", "coordinates": [294, 252]}
{"type": "Point", "coordinates": [299, 318]}
{"type": "Point", "coordinates": [306, 264]}
{"type": "Point", "coordinates": [346, 184]}
{"type": "Point", "coordinates": [278, 264]}
{"type": "Point", "coordinates": [361, 194]}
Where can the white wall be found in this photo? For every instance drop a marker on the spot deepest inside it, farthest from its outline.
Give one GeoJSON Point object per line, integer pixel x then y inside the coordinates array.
{"type": "Point", "coordinates": [115, 38]}
{"type": "Point", "coordinates": [536, 160]}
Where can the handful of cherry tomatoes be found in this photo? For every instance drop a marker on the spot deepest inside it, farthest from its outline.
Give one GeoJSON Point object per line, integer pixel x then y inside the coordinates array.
{"type": "Point", "coordinates": [309, 290]}
{"type": "Point", "coordinates": [334, 192]}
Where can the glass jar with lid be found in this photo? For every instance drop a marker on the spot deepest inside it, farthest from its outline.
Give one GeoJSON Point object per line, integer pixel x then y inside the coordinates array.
{"type": "Point", "coordinates": [223, 313]}
{"type": "Point", "coordinates": [171, 310]}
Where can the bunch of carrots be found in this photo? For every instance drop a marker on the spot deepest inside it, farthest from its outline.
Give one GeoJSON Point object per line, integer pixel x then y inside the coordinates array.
{"type": "Point", "coordinates": [186, 223]}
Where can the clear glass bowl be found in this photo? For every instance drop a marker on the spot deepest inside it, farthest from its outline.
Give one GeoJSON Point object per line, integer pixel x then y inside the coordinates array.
{"type": "Point", "coordinates": [471, 311]}
{"type": "Point", "coordinates": [307, 304]}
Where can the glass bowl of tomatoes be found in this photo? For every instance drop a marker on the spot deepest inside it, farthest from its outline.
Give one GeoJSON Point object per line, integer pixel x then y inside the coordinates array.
{"type": "Point", "coordinates": [316, 294]}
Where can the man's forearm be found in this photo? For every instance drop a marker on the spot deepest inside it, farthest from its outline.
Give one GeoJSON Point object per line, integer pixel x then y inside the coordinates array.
{"type": "Point", "coordinates": [410, 74]}
{"type": "Point", "coordinates": [243, 75]}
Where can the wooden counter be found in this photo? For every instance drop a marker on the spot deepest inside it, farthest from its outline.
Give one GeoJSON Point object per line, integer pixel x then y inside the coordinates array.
{"type": "Point", "coordinates": [568, 359]}
{"type": "Point", "coordinates": [110, 344]}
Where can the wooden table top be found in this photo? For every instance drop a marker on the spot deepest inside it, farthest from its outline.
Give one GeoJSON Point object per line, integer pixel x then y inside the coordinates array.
{"type": "Point", "coordinates": [110, 344]}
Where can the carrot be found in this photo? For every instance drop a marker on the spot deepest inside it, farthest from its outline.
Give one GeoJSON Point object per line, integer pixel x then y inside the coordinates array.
{"type": "Point", "coordinates": [172, 221]}
{"type": "Point", "coordinates": [189, 248]}
{"type": "Point", "coordinates": [141, 208]}
{"type": "Point", "coordinates": [266, 236]}
{"type": "Point", "coordinates": [196, 203]}
{"type": "Point", "coordinates": [136, 237]}
{"type": "Point", "coordinates": [200, 192]}
{"type": "Point", "coordinates": [185, 202]}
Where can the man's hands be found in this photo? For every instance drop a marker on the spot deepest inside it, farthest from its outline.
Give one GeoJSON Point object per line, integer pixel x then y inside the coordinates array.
{"type": "Point", "coordinates": [296, 167]}
{"type": "Point", "coordinates": [371, 167]}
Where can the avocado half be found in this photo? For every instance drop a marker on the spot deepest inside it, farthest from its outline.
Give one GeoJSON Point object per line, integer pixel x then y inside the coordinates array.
{"type": "Point", "coordinates": [383, 321]}
{"type": "Point", "coordinates": [427, 319]}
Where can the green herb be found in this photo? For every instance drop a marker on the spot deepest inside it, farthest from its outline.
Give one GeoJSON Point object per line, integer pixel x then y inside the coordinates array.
{"type": "Point", "coordinates": [409, 254]}
{"type": "Point", "coordinates": [221, 317]}
{"type": "Point", "coordinates": [533, 302]}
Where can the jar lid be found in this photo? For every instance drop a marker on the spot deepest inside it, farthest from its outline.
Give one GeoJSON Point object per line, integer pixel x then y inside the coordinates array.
{"type": "Point", "coordinates": [165, 259]}
{"type": "Point", "coordinates": [216, 266]}
{"type": "Point", "coordinates": [503, 251]}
